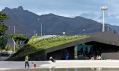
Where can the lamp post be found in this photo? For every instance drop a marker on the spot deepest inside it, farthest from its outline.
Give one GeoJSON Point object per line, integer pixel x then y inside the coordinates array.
{"type": "Point", "coordinates": [41, 30]}
{"type": "Point", "coordinates": [103, 8]}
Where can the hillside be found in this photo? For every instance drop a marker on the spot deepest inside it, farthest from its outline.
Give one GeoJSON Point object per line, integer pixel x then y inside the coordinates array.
{"type": "Point", "coordinates": [27, 22]}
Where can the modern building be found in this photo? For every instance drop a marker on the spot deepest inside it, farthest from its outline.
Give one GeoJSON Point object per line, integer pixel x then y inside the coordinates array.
{"type": "Point", "coordinates": [105, 44]}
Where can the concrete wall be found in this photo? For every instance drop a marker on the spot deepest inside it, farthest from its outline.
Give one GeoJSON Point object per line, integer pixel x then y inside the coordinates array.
{"type": "Point", "coordinates": [113, 56]}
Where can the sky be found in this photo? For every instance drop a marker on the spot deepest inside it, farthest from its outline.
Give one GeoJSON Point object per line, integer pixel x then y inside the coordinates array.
{"type": "Point", "coordinates": [69, 8]}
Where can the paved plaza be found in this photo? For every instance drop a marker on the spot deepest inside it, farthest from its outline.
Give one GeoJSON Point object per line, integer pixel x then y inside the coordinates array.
{"type": "Point", "coordinates": [61, 64]}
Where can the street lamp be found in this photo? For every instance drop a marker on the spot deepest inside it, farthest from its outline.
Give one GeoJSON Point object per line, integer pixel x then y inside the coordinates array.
{"type": "Point", "coordinates": [41, 27]}
{"type": "Point", "coordinates": [103, 8]}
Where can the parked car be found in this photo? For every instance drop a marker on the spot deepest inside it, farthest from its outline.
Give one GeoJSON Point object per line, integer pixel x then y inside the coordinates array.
{"type": "Point", "coordinates": [4, 55]}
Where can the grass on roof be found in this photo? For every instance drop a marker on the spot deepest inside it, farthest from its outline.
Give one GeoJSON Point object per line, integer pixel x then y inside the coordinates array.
{"type": "Point", "coordinates": [54, 41]}
{"type": "Point", "coordinates": [45, 43]}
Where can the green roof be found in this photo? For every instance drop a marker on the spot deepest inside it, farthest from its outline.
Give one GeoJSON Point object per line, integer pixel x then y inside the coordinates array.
{"type": "Point", "coordinates": [53, 41]}
{"type": "Point", "coordinates": [38, 43]}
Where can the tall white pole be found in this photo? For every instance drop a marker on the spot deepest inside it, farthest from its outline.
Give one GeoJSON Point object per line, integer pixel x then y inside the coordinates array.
{"type": "Point", "coordinates": [103, 8]}
{"type": "Point", "coordinates": [41, 29]}
{"type": "Point", "coordinates": [103, 24]}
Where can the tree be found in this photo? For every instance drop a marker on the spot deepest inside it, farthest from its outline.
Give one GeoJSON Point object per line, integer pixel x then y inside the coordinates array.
{"type": "Point", "coordinates": [19, 39]}
{"type": "Point", "coordinates": [3, 28]}
{"type": "Point", "coordinates": [3, 16]}
{"type": "Point", "coordinates": [3, 42]}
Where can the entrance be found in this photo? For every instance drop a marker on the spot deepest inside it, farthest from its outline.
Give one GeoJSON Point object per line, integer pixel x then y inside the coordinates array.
{"type": "Point", "coordinates": [83, 52]}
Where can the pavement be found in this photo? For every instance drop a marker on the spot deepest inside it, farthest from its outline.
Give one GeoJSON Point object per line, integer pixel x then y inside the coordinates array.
{"type": "Point", "coordinates": [4, 65]}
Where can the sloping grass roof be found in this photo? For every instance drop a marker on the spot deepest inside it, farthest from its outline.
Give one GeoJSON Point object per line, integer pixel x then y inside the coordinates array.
{"type": "Point", "coordinates": [38, 43]}
{"type": "Point", "coordinates": [46, 43]}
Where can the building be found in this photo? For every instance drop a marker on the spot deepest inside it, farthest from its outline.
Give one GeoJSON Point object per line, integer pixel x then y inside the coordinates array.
{"type": "Point", "coordinates": [105, 44]}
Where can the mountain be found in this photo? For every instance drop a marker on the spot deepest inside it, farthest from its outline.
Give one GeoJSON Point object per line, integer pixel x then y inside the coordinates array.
{"type": "Point", "coordinates": [29, 23]}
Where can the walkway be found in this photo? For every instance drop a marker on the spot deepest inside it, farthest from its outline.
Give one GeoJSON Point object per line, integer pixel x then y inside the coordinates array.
{"type": "Point", "coordinates": [61, 64]}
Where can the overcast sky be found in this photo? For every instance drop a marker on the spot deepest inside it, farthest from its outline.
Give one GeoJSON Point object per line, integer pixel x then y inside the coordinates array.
{"type": "Point", "coordinates": [69, 8]}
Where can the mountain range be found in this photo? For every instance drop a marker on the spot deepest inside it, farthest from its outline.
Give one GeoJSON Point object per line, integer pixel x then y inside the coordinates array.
{"type": "Point", "coordinates": [29, 23]}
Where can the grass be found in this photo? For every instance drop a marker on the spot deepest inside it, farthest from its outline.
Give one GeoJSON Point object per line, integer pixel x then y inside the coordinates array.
{"type": "Point", "coordinates": [45, 43]}
{"type": "Point", "coordinates": [55, 41]}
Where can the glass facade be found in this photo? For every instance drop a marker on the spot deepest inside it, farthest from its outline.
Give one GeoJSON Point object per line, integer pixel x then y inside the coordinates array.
{"type": "Point", "coordinates": [83, 52]}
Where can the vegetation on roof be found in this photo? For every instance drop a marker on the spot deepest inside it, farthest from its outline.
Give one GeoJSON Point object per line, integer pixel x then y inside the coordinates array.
{"type": "Point", "coordinates": [45, 43]}
{"type": "Point", "coordinates": [54, 41]}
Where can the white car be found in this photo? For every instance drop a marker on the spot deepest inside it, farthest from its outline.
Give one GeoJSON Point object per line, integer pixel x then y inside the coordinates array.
{"type": "Point", "coordinates": [4, 55]}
